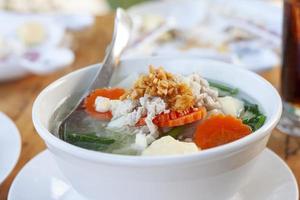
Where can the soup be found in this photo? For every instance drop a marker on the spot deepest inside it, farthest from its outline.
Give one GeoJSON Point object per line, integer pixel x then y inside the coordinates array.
{"type": "Point", "coordinates": [161, 113]}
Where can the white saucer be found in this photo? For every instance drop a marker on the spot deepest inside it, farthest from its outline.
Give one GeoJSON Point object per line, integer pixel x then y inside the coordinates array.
{"type": "Point", "coordinates": [10, 146]}
{"type": "Point", "coordinates": [41, 179]}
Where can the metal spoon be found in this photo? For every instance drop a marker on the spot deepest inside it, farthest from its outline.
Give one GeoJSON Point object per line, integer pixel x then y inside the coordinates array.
{"type": "Point", "coordinates": [120, 39]}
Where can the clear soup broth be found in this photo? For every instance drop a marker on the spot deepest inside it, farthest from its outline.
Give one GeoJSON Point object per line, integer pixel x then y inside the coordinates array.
{"type": "Point", "coordinates": [86, 131]}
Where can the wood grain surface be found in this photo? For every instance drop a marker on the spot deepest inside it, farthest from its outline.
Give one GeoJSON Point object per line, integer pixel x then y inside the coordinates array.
{"type": "Point", "coordinates": [17, 97]}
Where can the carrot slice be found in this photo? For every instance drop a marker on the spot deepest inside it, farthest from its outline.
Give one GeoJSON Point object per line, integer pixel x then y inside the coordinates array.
{"type": "Point", "coordinates": [218, 130]}
{"type": "Point", "coordinates": [174, 118]}
{"type": "Point", "coordinates": [141, 122]}
{"type": "Point", "coordinates": [89, 102]}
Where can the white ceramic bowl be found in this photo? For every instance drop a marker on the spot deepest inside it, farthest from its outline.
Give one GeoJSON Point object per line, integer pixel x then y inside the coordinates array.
{"type": "Point", "coordinates": [216, 173]}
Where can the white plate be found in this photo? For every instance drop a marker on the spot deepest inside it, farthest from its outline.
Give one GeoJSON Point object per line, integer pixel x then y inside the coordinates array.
{"type": "Point", "coordinates": [271, 179]}
{"type": "Point", "coordinates": [206, 18]}
{"type": "Point", "coordinates": [21, 60]}
{"type": "Point", "coordinates": [10, 146]}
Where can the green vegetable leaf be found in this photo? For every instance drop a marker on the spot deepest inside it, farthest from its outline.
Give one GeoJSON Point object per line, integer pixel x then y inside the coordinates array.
{"type": "Point", "coordinates": [252, 116]}
{"type": "Point", "coordinates": [89, 141]}
{"type": "Point", "coordinates": [91, 146]}
{"type": "Point", "coordinates": [84, 137]}
{"type": "Point", "coordinates": [175, 132]}
{"type": "Point", "coordinates": [223, 89]}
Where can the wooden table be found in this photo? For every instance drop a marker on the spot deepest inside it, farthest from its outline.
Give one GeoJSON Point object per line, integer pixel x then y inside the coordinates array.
{"type": "Point", "coordinates": [16, 98]}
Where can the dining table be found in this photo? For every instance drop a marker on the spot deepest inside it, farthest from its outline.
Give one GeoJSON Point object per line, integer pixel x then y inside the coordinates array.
{"type": "Point", "coordinates": [17, 97]}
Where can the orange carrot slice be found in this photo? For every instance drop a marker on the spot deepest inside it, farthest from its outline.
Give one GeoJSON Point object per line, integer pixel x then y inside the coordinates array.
{"type": "Point", "coordinates": [180, 118]}
{"type": "Point", "coordinates": [141, 122]}
{"type": "Point", "coordinates": [218, 130]}
{"type": "Point", "coordinates": [174, 118]}
{"type": "Point", "coordinates": [89, 102]}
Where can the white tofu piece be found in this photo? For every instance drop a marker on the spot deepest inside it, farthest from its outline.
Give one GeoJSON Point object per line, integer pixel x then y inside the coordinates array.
{"type": "Point", "coordinates": [140, 141]}
{"type": "Point", "coordinates": [231, 106]}
{"type": "Point", "coordinates": [167, 145]}
{"type": "Point", "coordinates": [102, 104]}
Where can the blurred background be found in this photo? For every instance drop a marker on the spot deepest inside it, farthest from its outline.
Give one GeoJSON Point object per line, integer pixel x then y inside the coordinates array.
{"type": "Point", "coordinates": [34, 32]}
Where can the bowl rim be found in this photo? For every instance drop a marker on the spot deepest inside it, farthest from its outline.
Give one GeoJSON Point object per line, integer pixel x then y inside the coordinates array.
{"type": "Point", "coordinates": [150, 161]}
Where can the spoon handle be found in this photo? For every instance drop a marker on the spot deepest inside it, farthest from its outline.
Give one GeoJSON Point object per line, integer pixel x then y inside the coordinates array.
{"type": "Point", "coordinates": [120, 40]}
{"type": "Point", "coordinates": [106, 72]}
